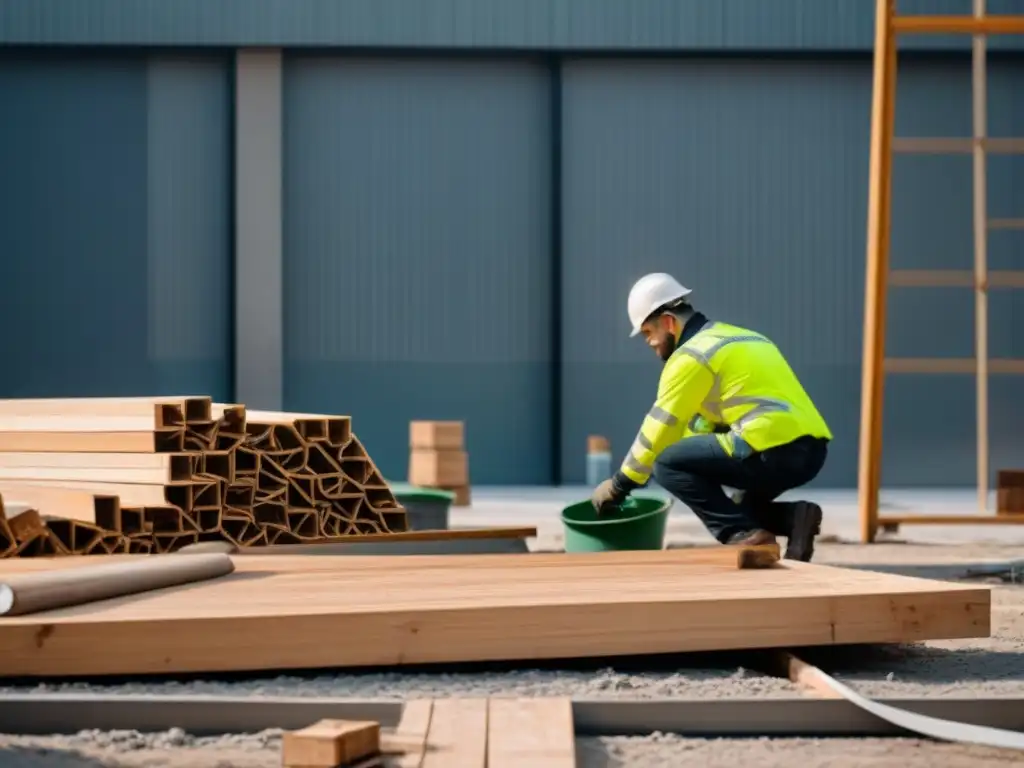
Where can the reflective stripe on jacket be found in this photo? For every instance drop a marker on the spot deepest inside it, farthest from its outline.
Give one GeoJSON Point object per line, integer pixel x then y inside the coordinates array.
{"type": "Point", "coordinates": [730, 381]}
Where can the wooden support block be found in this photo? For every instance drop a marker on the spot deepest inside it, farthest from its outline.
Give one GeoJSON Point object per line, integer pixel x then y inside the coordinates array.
{"type": "Point", "coordinates": [462, 496]}
{"type": "Point", "coordinates": [437, 435]}
{"type": "Point", "coordinates": [761, 556]}
{"type": "Point", "coordinates": [458, 734]}
{"type": "Point", "coordinates": [536, 732]}
{"type": "Point", "coordinates": [330, 743]}
{"type": "Point", "coordinates": [1010, 492]}
{"type": "Point", "coordinates": [439, 468]}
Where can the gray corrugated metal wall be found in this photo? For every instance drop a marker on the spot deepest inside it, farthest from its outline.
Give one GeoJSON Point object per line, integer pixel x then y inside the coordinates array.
{"type": "Point", "coordinates": [749, 181]}
{"type": "Point", "coordinates": [747, 177]}
{"type": "Point", "coordinates": [574, 25]}
{"type": "Point", "coordinates": [417, 254]}
{"type": "Point", "coordinates": [115, 234]}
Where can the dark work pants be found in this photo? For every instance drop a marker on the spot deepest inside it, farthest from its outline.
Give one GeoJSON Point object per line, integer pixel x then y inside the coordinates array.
{"type": "Point", "coordinates": [695, 469]}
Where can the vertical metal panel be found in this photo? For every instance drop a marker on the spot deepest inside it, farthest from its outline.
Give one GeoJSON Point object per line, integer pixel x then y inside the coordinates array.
{"type": "Point", "coordinates": [259, 344]}
{"type": "Point", "coordinates": [748, 180]}
{"type": "Point", "coordinates": [189, 225]}
{"type": "Point", "coordinates": [417, 221]}
{"type": "Point", "coordinates": [86, 193]}
{"type": "Point", "coordinates": [73, 226]}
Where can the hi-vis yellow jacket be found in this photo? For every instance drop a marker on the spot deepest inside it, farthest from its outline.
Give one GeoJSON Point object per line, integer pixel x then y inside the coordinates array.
{"type": "Point", "coordinates": [730, 381]}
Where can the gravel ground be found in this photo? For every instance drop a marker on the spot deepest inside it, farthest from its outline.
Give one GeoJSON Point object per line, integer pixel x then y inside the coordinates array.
{"type": "Point", "coordinates": [174, 749]}
{"type": "Point", "coordinates": [974, 667]}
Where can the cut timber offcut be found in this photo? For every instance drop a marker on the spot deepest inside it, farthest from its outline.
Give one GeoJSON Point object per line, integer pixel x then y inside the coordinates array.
{"type": "Point", "coordinates": [276, 610]}
{"type": "Point", "coordinates": [142, 475]}
{"type": "Point", "coordinates": [330, 743]}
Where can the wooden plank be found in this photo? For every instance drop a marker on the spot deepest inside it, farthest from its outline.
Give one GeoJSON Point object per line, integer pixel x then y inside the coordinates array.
{"type": "Point", "coordinates": [406, 746]}
{"type": "Point", "coordinates": [717, 557]}
{"type": "Point", "coordinates": [167, 411]}
{"type": "Point", "coordinates": [77, 423]}
{"type": "Point", "coordinates": [408, 615]}
{"type": "Point", "coordinates": [949, 365]}
{"type": "Point", "coordinates": [956, 146]}
{"type": "Point", "coordinates": [915, 24]}
{"type": "Point", "coordinates": [1006, 224]}
{"type": "Point", "coordinates": [535, 732]}
{"type": "Point", "coordinates": [952, 519]}
{"type": "Point", "coordinates": [83, 506]}
{"type": "Point", "coordinates": [146, 468]}
{"type": "Point", "coordinates": [94, 442]}
{"type": "Point", "coordinates": [130, 494]}
{"type": "Point", "coordinates": [955, 278]}
{"type": "Point", "coordinates": [83, 460]}
{"type": "Point", "coordinates": [458, 734]}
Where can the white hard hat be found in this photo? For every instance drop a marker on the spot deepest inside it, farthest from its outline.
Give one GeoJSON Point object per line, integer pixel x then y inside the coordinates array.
{"type": "Point", "coordinates": [651, 292]}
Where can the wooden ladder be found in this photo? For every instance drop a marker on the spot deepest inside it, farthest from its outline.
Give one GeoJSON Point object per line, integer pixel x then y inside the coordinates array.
{"type": "Point", "coordinates": [883, 144]}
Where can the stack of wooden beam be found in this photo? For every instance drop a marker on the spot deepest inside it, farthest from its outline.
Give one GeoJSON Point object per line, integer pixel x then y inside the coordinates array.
{"type": "Point", "coordinates": [438, 458]}
{"type": "Point", "coordinates": [155, 474]}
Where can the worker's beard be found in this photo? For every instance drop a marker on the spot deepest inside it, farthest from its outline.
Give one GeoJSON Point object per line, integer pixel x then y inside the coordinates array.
{"type": "Point", "coordinates": [666, 347]}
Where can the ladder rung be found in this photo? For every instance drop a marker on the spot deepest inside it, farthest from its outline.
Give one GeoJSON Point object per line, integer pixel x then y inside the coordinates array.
{"type": "Point", "coordinates": [958, 25]}
{"type": "Point", "coordinates": [949, 146]}
{"type": "Point", "coordinates": [954, 278]}
{"type": "Point", "coordinates": [1006, 224]}
{"type": "Point", "coordinates": [950, 365]}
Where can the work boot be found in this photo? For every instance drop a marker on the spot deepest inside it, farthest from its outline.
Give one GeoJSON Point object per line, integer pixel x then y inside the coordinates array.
{"type": "Point", "coordinates": [804, 525]}
{"type": "Point", "coordinates": [756, 538]}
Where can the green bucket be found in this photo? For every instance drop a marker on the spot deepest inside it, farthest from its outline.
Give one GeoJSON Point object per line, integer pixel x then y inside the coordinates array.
{"type": "Point", "coordinates": [426, 509]}
{"type": "Point", "coordinates": [638, 524]}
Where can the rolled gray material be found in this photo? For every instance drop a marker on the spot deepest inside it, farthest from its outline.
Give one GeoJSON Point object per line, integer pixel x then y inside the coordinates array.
{"type": "Point", "coordinates": [34, 592]}
{"type": "Point", "coordinates": [202, 547]}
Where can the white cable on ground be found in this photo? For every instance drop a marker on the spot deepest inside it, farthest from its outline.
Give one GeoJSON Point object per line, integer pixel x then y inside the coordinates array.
{"type": "Point", "coordinates": [945, 730]}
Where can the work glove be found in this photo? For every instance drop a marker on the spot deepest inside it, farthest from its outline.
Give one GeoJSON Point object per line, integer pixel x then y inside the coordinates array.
{"type": "Point", "coordinates": [607, 496]}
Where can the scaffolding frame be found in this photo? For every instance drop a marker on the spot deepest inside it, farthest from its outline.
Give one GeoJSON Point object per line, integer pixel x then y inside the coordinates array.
{"type": "Point", "coordinates": [888, 27]}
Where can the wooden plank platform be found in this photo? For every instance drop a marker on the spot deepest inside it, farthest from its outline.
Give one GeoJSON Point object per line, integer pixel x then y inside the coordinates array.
{"type": "Point", "coordinates": [285, 612]}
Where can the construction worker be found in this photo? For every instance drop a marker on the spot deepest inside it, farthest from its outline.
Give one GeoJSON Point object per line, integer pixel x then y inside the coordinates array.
{"type": "Point", "coordinates": [729, 412]}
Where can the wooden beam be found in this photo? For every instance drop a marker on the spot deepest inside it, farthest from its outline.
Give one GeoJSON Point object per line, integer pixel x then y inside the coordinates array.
{"type": "Point", "coordinates": [83, 506]}
{"type": "Point", "coordinates": [173, 410]}
{"type": "Point", "coordinates": [878, 239]}
{"type": "Point", "coordinates": [957, 146]}
{"type": "Point", "coordinates": [956, 278]}
{"type": "Point", "coordinates": [94, 442]}
{"type": "Point", "coordinates": [951, 520]}
{"type": "Point", "coordinates": [958, 25]}
{"type": "Point", "coordinates": [979, 120]}
{"type": "Point", "coordinates": [166, 468]}
{"type": "Point", "coordinates": [951, 365]}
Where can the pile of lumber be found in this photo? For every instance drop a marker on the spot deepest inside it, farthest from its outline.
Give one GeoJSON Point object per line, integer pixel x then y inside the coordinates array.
{"type": "Point", "coordinates": [438, 458]}
{"type": "Point", "coordinates": [107, 475]}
